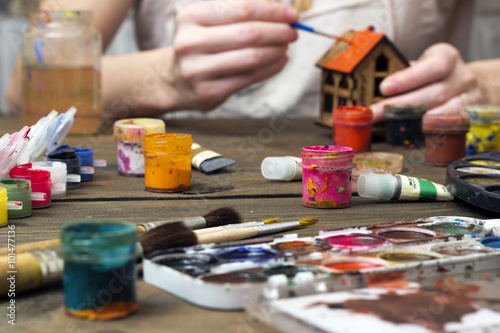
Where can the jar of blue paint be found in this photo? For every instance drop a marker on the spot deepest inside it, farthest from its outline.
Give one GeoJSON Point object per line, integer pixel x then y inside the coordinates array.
{"type": "Point", "coordinates": [99, 269]}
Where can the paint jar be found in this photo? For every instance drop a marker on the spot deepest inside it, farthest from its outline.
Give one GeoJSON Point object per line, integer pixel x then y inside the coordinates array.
{"type": "Point", "coordinates": [99, 269]}
{"type": "Point", "coordinates": [484, 133]}
{"type": "Point", "coordinates": [3, 207]}
{"type": "Point", "coordinates": [167, 162]}
{"type": "Point", "coordinates": [40, 184]}
{"type": "Point", "coordinates": [130, 136]}
{"type": "Point", "coordinates": [58, 176]}
{"type": "Point", "coordinates": [326, 176]}
{"type": "Point", "coordinates": [61, 59]}
{"type": "Point", "coordinates": [284, 168]}
{"type": "Point", "coordinates": [404, 125]}
{"type": "Point", "coordinates": [72, 161]}
{"type": "Point", "coordinates": [352, 127]}
{"type": "Point", "coordinates": [444, 138]}
{"type": "Point", "coordinates": [19, 197]}
{"type": "Point", "coordinates": [86, 162]}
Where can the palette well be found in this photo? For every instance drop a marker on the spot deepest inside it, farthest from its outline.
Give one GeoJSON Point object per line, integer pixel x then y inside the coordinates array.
{"type": "Point", "coordinates": [476, 180]}
{"type": "Point", "coordinates": [218, 277]}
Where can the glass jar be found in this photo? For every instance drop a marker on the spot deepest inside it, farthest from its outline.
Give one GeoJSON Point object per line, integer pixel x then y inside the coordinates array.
{"type": "Point", "coordinates": [326, 176]}
{"type": "Point", "coordinates": [484, 132]}
{"type": "Point", "coordinates": [404, 125]}
{"type": "Point", "coordinates": [99, 269]}
{"type": "Point", "coordinates": [61, 58]}
{"type": "Point", "coordinates": [19, 197]}
{"type": "Point", "coordinates": [167, 162]}
{"type": "Point", "coordinates": [352, 127]}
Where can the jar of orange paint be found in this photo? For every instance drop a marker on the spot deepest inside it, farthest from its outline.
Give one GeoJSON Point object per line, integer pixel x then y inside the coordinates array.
{"type": "Point", "coordinates": [352, 127]}
{"type": "Point", "coordinates": [167, 162]}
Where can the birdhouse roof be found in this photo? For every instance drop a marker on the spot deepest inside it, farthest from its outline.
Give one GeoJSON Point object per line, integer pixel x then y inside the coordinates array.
{"type": "Point", "coordinates": [345, 57]}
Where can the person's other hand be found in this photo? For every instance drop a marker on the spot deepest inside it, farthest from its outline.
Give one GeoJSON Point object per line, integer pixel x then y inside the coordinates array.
{"type": "Point", "coordinates": [440, 79]}
{"type": "Point", "coordinates": [222, 46]}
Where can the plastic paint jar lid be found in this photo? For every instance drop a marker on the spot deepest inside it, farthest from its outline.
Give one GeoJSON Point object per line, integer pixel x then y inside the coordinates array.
{"type": "Point", "coordinates": [135, 129]}
{"type": "Point", "coordinates": [404, 111]}
{"type": "Point", "coordinates": [482, 113]}
{"type": "Point", "coordinates": [58, 177]}
{"type": "Point", "coordinates": [352, 114]}
{"type": "Point", "coordinates": [445, 123]}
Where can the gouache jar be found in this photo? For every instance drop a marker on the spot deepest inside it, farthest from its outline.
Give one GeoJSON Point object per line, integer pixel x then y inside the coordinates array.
{"type": "Point", "coordinates": [41, 196]}
{"type": "Point", "coordinates": [444, 138]}
{"type": "Point", "coordinates": [99, 269]}
{"type": "Point", "coordinates": [58, 176]}
{"type": "Point", "coordinates": [3, 207]}
{"type": "Point", "coordinates": [484, 133]}
{"type": "Point", "coordinates": [18, 197]}
{"type": "Point", "coordinates": [404, 125]}
{"type": "Point", "coordinates": [326, 176]}
{"type": "Point", "coordinates": [352, 127]}
{"type": "Point", "coordinates": [72, 161]}
{"type": "Point", "coordinates": [86, 162]}
{"type": "Point", "coordinates": [168, 162]}
{"type": "Point", "coordinates": [130, 136]}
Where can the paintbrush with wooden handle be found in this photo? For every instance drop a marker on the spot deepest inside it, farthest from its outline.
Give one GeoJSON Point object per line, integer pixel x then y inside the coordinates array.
{"type": "Point", "coordinates": [216, 217]}
{"type": "Point", "coordinates": [177, 235]}
{"type": "Point", "coordinates": [236, 226]}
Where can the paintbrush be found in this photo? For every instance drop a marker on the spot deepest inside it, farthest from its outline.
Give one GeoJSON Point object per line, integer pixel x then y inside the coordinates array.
{"type": "Point", "coordinates": [177, 235]}
{"type": "Point", "coordinates": [236, 226]}
{"type": "Point", "coordinates": [216, 217]}
{"type": "Point", "coordinates": [307, 28]}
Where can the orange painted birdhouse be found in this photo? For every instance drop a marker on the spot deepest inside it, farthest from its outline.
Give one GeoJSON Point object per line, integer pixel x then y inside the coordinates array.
{"type": "Point", "coordinates": [353, 68]}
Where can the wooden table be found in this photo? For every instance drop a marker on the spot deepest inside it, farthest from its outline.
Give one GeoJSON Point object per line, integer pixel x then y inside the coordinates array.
{"type": "Point", "coordinates": [110, 196]}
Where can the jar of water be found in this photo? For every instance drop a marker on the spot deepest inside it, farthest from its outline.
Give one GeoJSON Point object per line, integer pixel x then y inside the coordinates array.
{"type": "Point", "coordinates": [61, 57]}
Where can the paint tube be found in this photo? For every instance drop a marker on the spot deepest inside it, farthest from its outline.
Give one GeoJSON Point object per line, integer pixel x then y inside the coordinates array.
{"type": "Point", "coordinates": [281, 168]}
{"type": "Point", "coordinates": [399, 187]}
{"type": "Point", "coordinates": [208, 161]}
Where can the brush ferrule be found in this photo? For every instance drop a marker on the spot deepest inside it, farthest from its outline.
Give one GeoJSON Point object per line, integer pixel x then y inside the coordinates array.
{"type": "Point", "coordinates": [276, 227]}
{"type": "Point", "coordinates": [190, 222]}
{"type": "Point", "coordinates": [51, 266]}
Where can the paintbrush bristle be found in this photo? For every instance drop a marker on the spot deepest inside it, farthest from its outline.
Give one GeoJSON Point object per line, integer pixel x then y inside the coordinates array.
{"type": "Point", "coordinates": [167, 236]}
{"type": "Point", "coordinates": [273, 220]}
{"type": "Point", "coordinates": [306, 222]}
{"type": "Point", "coordinates": [222, 216]}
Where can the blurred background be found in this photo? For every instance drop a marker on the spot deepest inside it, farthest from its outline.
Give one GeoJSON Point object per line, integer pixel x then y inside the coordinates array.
{"type": "Point", "coordinates": [484, 41]}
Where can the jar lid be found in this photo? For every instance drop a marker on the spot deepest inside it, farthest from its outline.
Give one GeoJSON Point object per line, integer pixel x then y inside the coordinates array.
{"type": "Point", "coordinates": [404, 111]}
{"type": "Point", "coordinates": [352, 114]}
{"type": "Point", "coordinates": [3, 194]}
{"type": "Point", "coordinates": [482, 113]}
{"type": "Point", "coordinates": [445, 123]}
{"type": "Point", "coordinates": [135, 129]}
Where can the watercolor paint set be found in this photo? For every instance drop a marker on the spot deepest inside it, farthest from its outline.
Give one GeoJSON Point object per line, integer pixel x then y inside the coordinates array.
{"type": "Point", "coordinates": [219, 277]}
{"type": "Point", "coordinates": [476, 180]}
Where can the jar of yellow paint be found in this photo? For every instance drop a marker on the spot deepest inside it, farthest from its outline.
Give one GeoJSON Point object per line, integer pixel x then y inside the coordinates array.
{"type": "Point", "coordinates": [167, 162]}
{"type": "Point", "coordinates": [484, 132]}
{"type": "Point", "coordinates": [3, 206]}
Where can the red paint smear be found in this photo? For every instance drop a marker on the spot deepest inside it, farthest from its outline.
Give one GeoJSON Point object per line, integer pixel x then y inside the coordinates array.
{"type": "Point", "coordinates": [352, 266]}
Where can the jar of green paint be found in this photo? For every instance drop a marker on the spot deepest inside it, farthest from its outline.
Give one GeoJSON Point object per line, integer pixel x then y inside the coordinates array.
{"type": "Point", "coordinates": [99, 269]}
{"type": "Point", "coordinates": [19, 197]}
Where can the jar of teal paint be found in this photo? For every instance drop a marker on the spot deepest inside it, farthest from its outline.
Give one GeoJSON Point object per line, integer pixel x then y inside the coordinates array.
{"type": "Point", "coordinates": [19, 197]}
{"type": "Point", "coordinates": [484, 132]}
{"type": "Point", "coordinates": [99, 269]}
{"type": "Point", "coordinates": [3, 206]}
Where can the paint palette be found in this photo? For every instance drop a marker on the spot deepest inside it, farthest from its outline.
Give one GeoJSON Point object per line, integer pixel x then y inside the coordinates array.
{"type": "Point", "coordinates": [219, 277]}
{"type": "Point", "coordinates": [466, 305]}
{"type": "Point", "coordinates": [476, 180]}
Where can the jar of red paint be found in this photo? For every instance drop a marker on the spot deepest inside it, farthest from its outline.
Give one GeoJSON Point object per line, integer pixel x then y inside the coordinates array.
{"type": "Point", "coordinates": [445, 137]}
{"type": "Point", "coordinates": [352, 127]}
{"type": "Point", "coordinates": [40, 184]}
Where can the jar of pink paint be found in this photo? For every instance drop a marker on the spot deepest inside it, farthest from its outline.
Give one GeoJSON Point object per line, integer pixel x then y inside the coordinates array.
{"type": "Point", "coordinates": [40, 184]}
{"type": "Point", "coordinates": [326, 176]}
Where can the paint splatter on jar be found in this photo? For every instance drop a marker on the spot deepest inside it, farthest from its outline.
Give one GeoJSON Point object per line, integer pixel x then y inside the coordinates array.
{"type": "Point", "coordinates": [484, 133]}
{"type": "Point", "coordinates": [130, 134]}
{"type": "Point", "coordinates": [326, 179]}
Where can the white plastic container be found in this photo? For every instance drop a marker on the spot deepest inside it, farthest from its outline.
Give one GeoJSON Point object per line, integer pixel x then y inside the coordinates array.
{"type": "Point", "coordinates": [281, 168]}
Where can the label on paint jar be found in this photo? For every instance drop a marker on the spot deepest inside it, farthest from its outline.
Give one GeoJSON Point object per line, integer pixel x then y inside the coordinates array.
{"type": "Point", "coordinates": [14, 205]}
{"type": "Point", "coordinates": [38, 196]}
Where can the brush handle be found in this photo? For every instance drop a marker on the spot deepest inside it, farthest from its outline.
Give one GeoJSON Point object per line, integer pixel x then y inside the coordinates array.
{"type": "Point", "coordinates": [192, 223]}
{"type": "Point", "coordinates": [237, 234]}
{"type": "Point", "coordinates": [31, 271]}
{"type": "Point", "coordinates": [227, 227]}
{"type": "Point", "coordinates": [34, 246]}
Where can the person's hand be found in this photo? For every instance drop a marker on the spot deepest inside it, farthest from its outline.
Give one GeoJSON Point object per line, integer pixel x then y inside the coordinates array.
{"type": "Point", "coordinates": [439, 79]}
{"type": "Point", "coordinates": [222, 46]}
